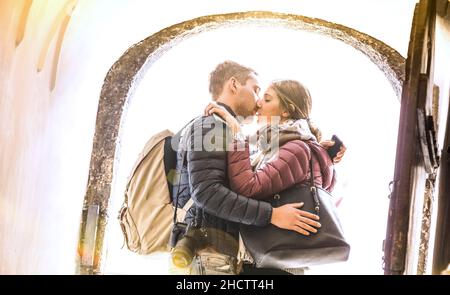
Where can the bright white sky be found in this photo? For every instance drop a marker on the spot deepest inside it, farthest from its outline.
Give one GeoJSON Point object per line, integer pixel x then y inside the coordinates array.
{"type": "Point", "coordinates": [351, 98]}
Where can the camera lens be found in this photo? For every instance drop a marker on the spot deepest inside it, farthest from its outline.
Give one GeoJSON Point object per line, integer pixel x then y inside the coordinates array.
{"type": "Point", "coordinates": [183, 253]}
{"type": "Point", "coordinates": [182, 258]}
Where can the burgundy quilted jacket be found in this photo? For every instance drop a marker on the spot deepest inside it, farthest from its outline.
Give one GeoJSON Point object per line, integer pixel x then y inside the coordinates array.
{"type": "Point", "coordinates": [291, 167]}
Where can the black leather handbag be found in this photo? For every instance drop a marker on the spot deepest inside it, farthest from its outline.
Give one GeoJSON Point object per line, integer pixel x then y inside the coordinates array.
{"type": "Point", "coordinates": [273, 247]}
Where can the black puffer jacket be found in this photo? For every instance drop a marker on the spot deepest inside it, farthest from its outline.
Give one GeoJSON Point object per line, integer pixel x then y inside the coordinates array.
{"type": "Point", "coordinates": [216, 207]}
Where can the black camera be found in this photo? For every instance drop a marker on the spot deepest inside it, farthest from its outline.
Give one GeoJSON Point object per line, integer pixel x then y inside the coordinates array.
{"type": "Point", "coordinates": [194, 238]}
{"type": "Point", "coordinates": [178, 231]}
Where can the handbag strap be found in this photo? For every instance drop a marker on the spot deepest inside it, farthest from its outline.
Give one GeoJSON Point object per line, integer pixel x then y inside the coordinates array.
{"type": "Point", "coordinates": [313, 187]}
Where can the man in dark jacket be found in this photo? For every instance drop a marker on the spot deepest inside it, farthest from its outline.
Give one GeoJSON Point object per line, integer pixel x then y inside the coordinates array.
{"type": "Point", "coordinates": [202, 160]}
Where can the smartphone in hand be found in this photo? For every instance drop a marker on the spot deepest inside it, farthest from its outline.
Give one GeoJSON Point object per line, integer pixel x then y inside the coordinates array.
{"type": "Point", "coordinates": [332, 151]}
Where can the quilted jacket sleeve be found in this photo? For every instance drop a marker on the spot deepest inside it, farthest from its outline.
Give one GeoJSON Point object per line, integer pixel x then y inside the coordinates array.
{"type": "Point", "coordinates": [207, 169]}
{"type": "Point", "coordinates": [291, 167]}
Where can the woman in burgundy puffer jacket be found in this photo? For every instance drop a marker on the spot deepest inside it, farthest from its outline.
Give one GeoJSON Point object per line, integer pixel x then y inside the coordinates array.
{"type": "Point", "coordinates": [283, 161]}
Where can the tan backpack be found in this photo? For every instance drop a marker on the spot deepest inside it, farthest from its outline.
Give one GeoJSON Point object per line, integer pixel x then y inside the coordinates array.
{"type": "Point", "coordinates": [146, 216]}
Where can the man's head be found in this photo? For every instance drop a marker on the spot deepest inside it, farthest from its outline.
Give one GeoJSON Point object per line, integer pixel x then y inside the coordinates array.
{"type": "Point", "coordinates": [235, 85]}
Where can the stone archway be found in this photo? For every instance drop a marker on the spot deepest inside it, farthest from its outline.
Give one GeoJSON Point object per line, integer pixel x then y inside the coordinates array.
{"type": "Point", "coordinates": [126, 73]}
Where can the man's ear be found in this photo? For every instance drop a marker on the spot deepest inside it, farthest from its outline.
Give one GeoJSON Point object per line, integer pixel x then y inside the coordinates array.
{"type": "Point", "coordinates": [232, 84]}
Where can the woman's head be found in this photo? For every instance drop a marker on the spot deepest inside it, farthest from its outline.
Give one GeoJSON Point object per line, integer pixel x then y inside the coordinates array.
{"type": "Point", "coordinates": [286, 99]}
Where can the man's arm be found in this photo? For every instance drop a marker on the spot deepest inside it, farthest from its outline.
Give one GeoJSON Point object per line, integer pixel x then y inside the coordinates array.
{"type": "Point", "coordinates": [208, 184]}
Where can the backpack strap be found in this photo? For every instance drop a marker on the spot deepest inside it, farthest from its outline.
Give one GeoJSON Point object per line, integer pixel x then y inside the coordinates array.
{"type": "Point", "coordinates": [183, 158]}
{"type": "Point", "coordinates": [188, 204]}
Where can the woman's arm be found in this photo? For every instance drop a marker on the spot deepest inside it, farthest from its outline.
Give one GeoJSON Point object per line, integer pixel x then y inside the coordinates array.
{"type": "Point", "coordinates": [291, 167]}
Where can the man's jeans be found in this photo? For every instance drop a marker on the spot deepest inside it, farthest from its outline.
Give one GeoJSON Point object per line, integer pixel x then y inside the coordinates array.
{"type": "Point", "coordinates": [208, 263]}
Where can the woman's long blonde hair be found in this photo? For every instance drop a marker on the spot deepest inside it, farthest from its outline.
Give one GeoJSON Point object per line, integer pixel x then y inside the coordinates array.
{"type": "Point", "coordinates": [296, 99]}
